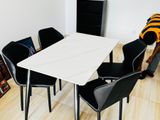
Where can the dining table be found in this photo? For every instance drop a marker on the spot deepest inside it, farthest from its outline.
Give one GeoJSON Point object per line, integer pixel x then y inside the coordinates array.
{"type": "Point", "coordinates": [73, 59]}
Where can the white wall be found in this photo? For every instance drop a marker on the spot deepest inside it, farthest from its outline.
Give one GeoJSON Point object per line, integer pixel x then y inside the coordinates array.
{"type": "Point", "coordinates": [126, 18]}
{"type": "Point", "coordinates": [23, 18]}
{"type": "Point", "coordinates": [70, 15]}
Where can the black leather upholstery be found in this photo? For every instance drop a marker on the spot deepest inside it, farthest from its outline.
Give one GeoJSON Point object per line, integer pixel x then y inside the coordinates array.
{"type": "Point", "coordinates": [118, 90]}
{"type": "Point", "coordinates": [49, 36]}
{"type": "Point", "coordinates": [27, 42]}
{"type": "Point", "coordinates": [106, 70]}
{"type": "Point", "coordinates": [100, 95]}
{"type": "Point", "coordinates": [87, 91]}
{"type": "Point", "coordinates": [12, 57]}
{"type": "Point", "coordinates": [133, 57]}
{"type": "Point", "coordinates": [14, 53]}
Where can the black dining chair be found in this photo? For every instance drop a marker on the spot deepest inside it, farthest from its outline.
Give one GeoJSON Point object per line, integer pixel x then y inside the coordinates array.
{"type": "Point", "coordinates": [133, 56]}
{"type": "Point", "coordinates": [99, 95]}
{"type": "Point", "coordinates": [47, 37]}
{"type": "Point", "coordinates": [14, 53]}
{"type": "Point", "coordinates": [28, 42]}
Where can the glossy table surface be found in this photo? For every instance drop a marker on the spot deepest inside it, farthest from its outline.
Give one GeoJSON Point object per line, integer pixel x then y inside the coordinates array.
{"type": "Point", "coordinates": [73, 59]}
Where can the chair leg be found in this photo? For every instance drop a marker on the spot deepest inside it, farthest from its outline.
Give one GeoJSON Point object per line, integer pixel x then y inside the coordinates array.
{"type": "Point", "coordinates": [21, 97]}
{"type": "Point", "coordinates": [120, 109]}
{"type": "Point", "coordinates": [60, 84]}
{"type": "Point", "coordinates": [30, 93]}
{"type": "Point", "coordinates": [111, 57]}
{"type": "Point", "coordinates": [98, 115]}
{"type": "Point", "coordinates": [54, 89]}
{"type": "Point", "coordinates": [49, 98]}
{"type": "Point", "coordinates": [128, 99]}
{"type": "Point", "coordinates": [78, 107]}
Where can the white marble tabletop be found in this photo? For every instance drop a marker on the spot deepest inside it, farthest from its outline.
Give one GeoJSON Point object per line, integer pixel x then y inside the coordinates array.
{"type": "Point", "coordinates": [73, 59]}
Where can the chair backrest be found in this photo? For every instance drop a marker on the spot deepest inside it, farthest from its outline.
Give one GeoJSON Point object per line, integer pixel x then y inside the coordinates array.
{"type": "Point", "coordinates": [27, 42]}
{"type": "Point", "coordinates": [134, 54]}
{"type": "Point", "coordinates": [49, 36]}
{"type": "Point", "coordinates": [14, 53]}
{"type": "Point", "coordinates": [106, 95]}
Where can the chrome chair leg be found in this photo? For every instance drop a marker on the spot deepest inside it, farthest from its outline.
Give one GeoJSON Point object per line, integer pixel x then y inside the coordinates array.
{"type": "Point", "coordinates": [98, 115]}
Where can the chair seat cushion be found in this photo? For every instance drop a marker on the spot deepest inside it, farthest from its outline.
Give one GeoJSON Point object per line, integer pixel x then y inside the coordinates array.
{"type": "Point", "coordinates": [87, 92]}
{"type": "Point", "coordinates": [36, 79]}
{"type": "Point", "coordinates": [113, 70]}
{"type": "Point", "coordinates": [41, 79]}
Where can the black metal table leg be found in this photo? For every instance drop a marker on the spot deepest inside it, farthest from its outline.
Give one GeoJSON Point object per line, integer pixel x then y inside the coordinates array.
{"type": "Point", "coordinates": [76, 103]}
{"type": "Point", "coordinates": [27, 99]}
